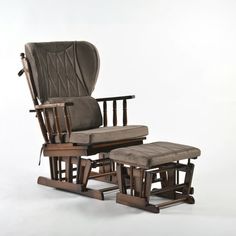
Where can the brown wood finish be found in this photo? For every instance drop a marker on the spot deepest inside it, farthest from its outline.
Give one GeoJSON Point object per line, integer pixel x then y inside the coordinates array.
{"type": "Point", "coordinates": [125, 119]}
{"type": "Point", "coordinates": [63, 156]}
{"type": "Point", "coordinates": [114, 113]}
{"type": "Point", "coordinates": [142, 186]}
{"type": "Point", "coordinates": [104, 113]}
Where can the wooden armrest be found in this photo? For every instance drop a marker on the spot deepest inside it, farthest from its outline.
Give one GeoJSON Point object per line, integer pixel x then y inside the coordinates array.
{"type": "Point", "coordinates": [53, 119]}
{"type": "Point", "coordinates": [53, 105]}
{"type": "Point", "coordinates": [114, 101]}
{"type": "Point", "coordinates": [115, 98]}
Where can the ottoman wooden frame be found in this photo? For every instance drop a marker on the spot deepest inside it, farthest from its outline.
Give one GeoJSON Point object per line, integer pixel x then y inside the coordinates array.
{"type": "Point", "coordinates": [135, 179]}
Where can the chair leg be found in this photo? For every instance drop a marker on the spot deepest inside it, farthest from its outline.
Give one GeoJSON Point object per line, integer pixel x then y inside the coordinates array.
{"type": "Point", "coordinates": [121, 178]}
{"type": "Point", "coordinates": [188, 182]}
{"type": "Point", "coordinates": [55, 168]}
{"type": "Point", "coordinates": [69, 171]}
{"type": "Point", "coordinates": [140, 184]}
{"type": "Point", "coordinates": [66, 183]}
{"type": "Point", "coordinates": [106, 168]}
{"type": "Point", "coordinates": [60, 168]}
{"type": "Point", "coordinates": [168, 179]}
{"type": "Point", "coordinates": [51, 167]}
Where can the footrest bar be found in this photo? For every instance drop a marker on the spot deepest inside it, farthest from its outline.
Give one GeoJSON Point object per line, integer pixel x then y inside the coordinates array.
{"type": "Point", "coordinates": [101, 175]}
{"type": "Point", "coordinates": [109, 189]}
{"type": "Point", "coordinates": [168, 189]}
{"type": "Point", "coordinates": [164, 204]}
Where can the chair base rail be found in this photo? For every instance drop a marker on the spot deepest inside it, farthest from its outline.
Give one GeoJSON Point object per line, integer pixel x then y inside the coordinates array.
{"type": "Point", "coordinates": [71, 187]}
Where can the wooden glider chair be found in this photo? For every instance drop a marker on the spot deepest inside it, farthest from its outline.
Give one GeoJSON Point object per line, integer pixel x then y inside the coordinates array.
{"type": "Point", "coordinates": [61, 77]}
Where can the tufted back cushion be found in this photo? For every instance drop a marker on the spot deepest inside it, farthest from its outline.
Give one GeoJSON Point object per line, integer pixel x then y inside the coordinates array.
{"type": "Point", "coordinates": [63, 69]}
{"type": "Point", "coordinates": [84, 114]}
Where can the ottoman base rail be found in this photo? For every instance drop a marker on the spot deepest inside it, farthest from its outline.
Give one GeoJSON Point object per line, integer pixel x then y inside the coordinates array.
{"type": "Point", "coordinates": [137, 193]}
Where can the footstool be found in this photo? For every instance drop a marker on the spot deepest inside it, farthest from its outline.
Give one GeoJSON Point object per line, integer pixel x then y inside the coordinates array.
{"type": "Point", "coordinates": [138, 167]}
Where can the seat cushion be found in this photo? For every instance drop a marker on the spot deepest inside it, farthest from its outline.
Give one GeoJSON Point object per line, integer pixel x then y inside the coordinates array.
{"type": "Point", "coordinates": [84, 114]}
{"type": "Point", "coordinates": [153, 154]}
{"type": "Point", "coordinates": [108, 134]}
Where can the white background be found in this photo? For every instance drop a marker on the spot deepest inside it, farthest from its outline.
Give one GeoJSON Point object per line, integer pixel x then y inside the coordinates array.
{"type": "Point", "coordinates": [178, 58]}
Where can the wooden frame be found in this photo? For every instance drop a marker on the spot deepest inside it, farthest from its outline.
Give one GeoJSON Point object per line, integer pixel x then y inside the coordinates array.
{"type": "Point", "coordinates": [68, 170]}
{"type": "Point", "coordinates": [137, 191]}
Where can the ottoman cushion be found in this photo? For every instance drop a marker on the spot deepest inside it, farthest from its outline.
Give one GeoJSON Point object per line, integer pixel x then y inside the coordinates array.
{"type": "Point", "coordinates": [153, 154]}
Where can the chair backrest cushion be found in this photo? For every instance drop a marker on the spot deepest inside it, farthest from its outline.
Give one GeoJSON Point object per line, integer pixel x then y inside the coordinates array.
{"type": "Point", "coordinates": [63, 69]}
{"type": "Point", "coordinates": [84, 114]}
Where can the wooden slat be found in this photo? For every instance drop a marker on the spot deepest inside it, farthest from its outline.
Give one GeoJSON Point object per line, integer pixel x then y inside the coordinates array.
{"type": "Point", "coordinates": [64, 171]}
{"type": "Point", "coordinates": [71, 187]}
{"type": "Point", "coordinates": [168, 189]}
{"type": "Point", "coordinates": [54, 105]}
{"type": "Point", "coordinates": [102, 175]}
{"type": "Point", "coordinates": [67, 120]}
{"type": "Point", "coordinates": [109, 189]}
{"type": "Point", "coordinates": [136, 202]}
{"type": "Point", "coordinates": [148, 184]}
{"type": "Point", "coordinates": [167, 203]}
{"type": "Point", "coordinates": [104, 113]}
{"type": "Point", "coordinates": [87, 170]}
{"type": "Point", "coordinates": [115, 98]}
{"type": "Point", "coordinates": [55, 168]}
{"type": "Point", "coordinates": [77, 180]}
{"type": "Point", "coordinates": [120, 178]}
{"type": "Point", "coordinates": [114, 113]}
{"type": "Point", "coordinates": [76, 188]}
{"type": "Point", "coordinates": [177, 174]}
{"type": "Point", "coordinates": [57, 123]}
{"type": "Point", "coordinates": [69, 170]}
{"type": "Point", "coordinates": [59, 168]}
{"type": "Point", "coordinates": [124, 112]}
{"type": "Point", "coordinates": [51, 167]}
{"type": "Point", "coordinates": [188, 178]}
{"type": "Point", "coordinates": [131, 180]}
{"type": "Point", "coordinates": [101, 162]}
{"type": "Point", "coordinates": [138, 182]}
{"type": "Point", "coordinates": [48, 125]}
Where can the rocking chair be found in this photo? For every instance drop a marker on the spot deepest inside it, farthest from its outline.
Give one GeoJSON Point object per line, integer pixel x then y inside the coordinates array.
{"type": "Point", "coordinates": [61, 77]}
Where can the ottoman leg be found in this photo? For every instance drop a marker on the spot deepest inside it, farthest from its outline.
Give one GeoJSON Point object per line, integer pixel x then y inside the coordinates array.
{"type": "Point", "coordinates": [120, 170]}
{"type": "Point", "coordinates": [168, 179]}
{"type": "Point", "coordinates": [140, 187]}
{"type": "Point", "coordinates": [188, 182]}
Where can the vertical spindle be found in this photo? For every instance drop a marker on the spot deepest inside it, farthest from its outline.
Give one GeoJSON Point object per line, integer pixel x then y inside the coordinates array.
{"type": "Point", "coordinates": [104, 113]}
{"type": "Point", "coordinates": [177, 174]}
{"type": "Point", "coordinates": [67, 120]}
{"type": "Point", "coordinates": [124, 112]}
{"type": "Point", "coordinates": [131, 180]}
{"type": "Point", "coordinates": [48, 125]}
{"type": "Point", "coordinates": [57, 123]}
{"type": "Point", "coordinates": [114, 113]}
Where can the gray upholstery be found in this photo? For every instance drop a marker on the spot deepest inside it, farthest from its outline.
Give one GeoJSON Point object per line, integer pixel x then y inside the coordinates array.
{"type": "Point", "coordinates": [67, 72]}
{"type": "Point", "coordinates": [84, 114]}
{"type": "Point", "coordinates": [108, 134]}
{"type": "Point", "coordinates": [153, 154]}
{"type": "Point", "coordinates": [63, 69]}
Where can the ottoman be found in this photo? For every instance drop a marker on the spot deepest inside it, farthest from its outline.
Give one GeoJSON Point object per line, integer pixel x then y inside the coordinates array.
{"type": "Point", "coordinates": [140, 166]}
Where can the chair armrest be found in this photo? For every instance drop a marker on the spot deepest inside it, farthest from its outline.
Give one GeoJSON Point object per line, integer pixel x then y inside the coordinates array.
{"type": "Point", "coordinates": [115, 98]}
{"type": "Point", "coordinates": [54, 115]}
{"type": "Point", "coordinates": [53, 105]}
